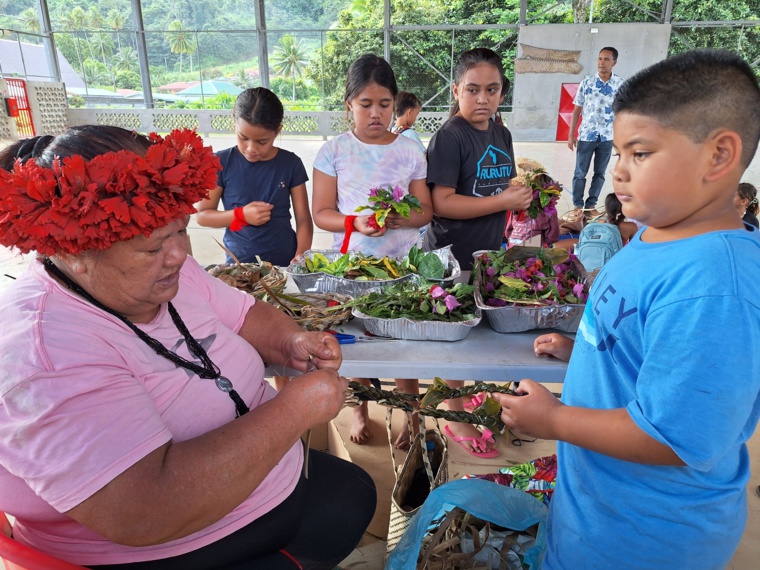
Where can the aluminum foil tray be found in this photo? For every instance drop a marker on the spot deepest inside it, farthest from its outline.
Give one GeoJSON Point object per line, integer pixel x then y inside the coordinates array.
{"type": "Point", "coordinates": [325, 283]}
{"type": "Point", "coordinates": [408, 329]}
{"type": "Point", "coordinates": [520, 318]}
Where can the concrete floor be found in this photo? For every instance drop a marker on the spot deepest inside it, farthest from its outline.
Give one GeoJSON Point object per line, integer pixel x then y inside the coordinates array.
{"type": "Point", "coordinates": [559, 162]}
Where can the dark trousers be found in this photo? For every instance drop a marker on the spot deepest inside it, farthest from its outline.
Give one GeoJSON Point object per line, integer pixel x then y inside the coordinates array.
{"type": "Point", "coordinates": [601, 151]}
{"type": "Point", "coordinates": [318, 525]}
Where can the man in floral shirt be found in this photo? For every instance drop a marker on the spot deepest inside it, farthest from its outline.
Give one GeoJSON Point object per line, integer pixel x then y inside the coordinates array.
{"type": "Point", "coordinates": [594, 101]}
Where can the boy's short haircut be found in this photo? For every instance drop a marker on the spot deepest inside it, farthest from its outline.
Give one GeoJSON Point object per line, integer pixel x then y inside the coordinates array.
{"type": "Point", "coordinates": [405, 101]}
{"type": "Point", "coordinates": [695, 93]}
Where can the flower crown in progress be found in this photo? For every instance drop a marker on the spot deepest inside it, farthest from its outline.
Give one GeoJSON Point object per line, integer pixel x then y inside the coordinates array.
{"type": "Point", "coordinates": [80, 205]}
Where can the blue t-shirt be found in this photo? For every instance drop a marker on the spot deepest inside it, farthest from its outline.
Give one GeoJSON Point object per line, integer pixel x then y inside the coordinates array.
{"type": "Point", "coordinates": [671, 333]}
{"type": "Point", "coordinates": [269, 181]}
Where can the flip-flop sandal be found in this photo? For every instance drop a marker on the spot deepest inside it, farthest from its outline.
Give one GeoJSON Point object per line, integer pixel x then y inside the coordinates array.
{"type": "Point", "coordinates": [475, 402]}
{"type": "Point", "coordinates": [479, 444]}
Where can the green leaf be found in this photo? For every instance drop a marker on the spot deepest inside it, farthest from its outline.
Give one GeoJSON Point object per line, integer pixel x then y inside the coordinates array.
{"type": "Point", "coordinates": [431, 267]}
{"type": "Point", "coordinates": [380, 216]}
{"type": "Point", "coordinates": [376, 272]}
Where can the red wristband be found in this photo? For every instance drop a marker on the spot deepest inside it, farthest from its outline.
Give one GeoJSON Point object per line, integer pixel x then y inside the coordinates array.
{"type": "Point", "coordinates": [238, 220]}
{"type": "Point", "coordinates": [348, 224]}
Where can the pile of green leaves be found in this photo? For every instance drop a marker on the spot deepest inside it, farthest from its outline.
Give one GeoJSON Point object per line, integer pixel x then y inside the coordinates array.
{"type": "Point", "coordinates": [356, 266]}
{"type": "Point", "coordinates": [419, 301]}
{"type": "Point", "coordinates": [427, 265]}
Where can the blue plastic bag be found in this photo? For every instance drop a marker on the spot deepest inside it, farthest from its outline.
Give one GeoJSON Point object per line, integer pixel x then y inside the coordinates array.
{"type": "Point", "coordinates": [504, 506]}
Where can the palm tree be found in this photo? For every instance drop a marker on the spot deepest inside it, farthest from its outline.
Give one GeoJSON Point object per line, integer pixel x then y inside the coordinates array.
{"type": "Point", "coordinates": [30, 21]}
{"type": "Point", "coordinates": [104, 44]}
{"type": "Point", "coordinates": [180, 41]}
{"type": "Point", "coordinates": [126, 59]}
{"type": "Point", "coordinates": [116, 21]}
{"type": "Point", "coordinates": [289, 59]}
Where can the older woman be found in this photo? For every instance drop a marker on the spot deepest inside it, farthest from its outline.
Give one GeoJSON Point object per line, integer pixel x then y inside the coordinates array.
{"type": "Point", "coordinates": [136, 427]}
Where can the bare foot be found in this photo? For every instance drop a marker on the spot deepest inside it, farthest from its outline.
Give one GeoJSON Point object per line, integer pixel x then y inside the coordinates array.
{"type": "Point", "coordinates": [469, 430]}
{"type": "Point", "coordinates": [360, 432]}
{"type": "Point", "coordinates": [403, 440]}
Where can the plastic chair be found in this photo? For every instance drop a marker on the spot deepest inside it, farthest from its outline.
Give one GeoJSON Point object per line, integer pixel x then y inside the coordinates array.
{"type": "Point", "coordinates": [17, 556]}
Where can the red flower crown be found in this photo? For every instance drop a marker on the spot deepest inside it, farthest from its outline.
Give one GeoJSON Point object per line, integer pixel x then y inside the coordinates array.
{"type": "Point", "coordinates": [83, 205]}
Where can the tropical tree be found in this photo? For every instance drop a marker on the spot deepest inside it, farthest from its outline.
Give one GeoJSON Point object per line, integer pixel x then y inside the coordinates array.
{"type": "Point", "coordinates": [116, 21]}
{"type": "Point", "coordinates": [126, 59]}
{"type": "Point", "coordinates": [103, 43]}
{"type": "Point", "coordinates": [30, 21]}
{"type": "Point", "coordinates": [289, 59]}
{"type": "Point", "coordinates": [180, 41]}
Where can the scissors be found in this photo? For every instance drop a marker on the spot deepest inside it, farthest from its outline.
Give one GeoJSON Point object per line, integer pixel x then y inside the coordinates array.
{"type": "Point", "coordinates": [344, 338]}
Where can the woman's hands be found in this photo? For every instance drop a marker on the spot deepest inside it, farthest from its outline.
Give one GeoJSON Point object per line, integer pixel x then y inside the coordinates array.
{"type": "Point", "coordinates": [553, 344]}
{"type": "Point", "coordinates": [316, 397]}
{"type": "Point", "coordinates": [312, 351]}
{"type": "Point", "coordinates": [532, 411]}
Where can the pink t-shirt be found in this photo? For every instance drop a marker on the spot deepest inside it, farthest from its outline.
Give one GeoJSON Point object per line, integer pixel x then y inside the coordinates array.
{"type": "Point", "coordinates": [83, 399]}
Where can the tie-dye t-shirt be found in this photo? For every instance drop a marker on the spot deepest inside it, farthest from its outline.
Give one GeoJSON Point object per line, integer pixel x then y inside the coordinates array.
{"type": "Point", "coordinates": [360, 167]}
{"type": "Point", "coordinates": [595, 97]}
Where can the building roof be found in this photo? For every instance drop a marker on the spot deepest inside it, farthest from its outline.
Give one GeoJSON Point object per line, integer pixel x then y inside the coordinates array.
{"type": "Point", "coordinates": [210, 88]}
{"type": "Point", "coordinates": [29, 61]}
{"type": "Point", "coordinates": [177, 86]}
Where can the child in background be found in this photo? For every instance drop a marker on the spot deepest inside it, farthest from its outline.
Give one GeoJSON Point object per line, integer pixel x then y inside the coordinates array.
{"type": "Point", "coordinates": [661, 392]}
{"type": "Point", "coordinates": [407, 109]}
{"type": "Point", "coordinates": [366, 157]}
{"type": "Point", "coordinates": [257, 184]}
{"type": "Point", "coordinates": [614, 209]}
{"type": "Point", "coordinates": [470, 164]}
{"type": "Point", "coordinates": [745, 202]}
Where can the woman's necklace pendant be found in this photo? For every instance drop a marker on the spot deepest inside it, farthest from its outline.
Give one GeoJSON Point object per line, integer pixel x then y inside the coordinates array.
{"type": "Point", "coordinates": [223, 384]}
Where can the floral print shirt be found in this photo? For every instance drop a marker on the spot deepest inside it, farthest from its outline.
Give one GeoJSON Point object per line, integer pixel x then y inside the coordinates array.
{"type": "Point", "coordinates": [595, 97]}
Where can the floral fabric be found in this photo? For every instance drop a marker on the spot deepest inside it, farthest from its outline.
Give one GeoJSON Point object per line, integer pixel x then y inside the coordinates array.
{"type": "Point", "coordinates": [537, 477]}
{"type": "Point", "coordinates": [595, 97]}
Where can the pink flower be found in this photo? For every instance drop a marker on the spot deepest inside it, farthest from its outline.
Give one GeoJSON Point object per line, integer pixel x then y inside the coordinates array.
{"type": "Point", "coordinates": [578, 290]}
{"type": "Point", "coordinates": [436, 292]}
{"type": "Point", "coordinates": [398, 194]}
{"type": "Point", "coordinates": [373, 191]}
{"type": "Point", "coordinates": [451, 302]}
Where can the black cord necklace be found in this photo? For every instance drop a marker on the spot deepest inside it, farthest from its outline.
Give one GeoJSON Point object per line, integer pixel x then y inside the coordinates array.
{"type": "Point", "coordinates": [209, 370]}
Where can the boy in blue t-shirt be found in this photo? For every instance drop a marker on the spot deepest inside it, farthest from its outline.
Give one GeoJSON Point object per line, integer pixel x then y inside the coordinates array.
{"type": "Point", "coordinates": [661, 392]}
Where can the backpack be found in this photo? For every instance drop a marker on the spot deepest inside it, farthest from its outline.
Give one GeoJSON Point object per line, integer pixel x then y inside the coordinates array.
{"type": "Point", "coordinates": [597, 243]}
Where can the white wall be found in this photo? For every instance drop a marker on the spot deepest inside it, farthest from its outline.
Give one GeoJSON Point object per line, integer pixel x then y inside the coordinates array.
{"type": "Point", "coordinates": [536, 95]}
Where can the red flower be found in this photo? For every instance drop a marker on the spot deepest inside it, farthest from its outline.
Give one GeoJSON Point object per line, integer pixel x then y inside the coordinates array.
{"type": "Point", "coordinates": [80, 205]}
{"type": "Point", "coordinates": [372, 222]}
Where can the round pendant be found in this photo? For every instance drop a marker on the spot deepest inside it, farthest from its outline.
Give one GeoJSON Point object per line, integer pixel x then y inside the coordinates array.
{"type": "Point", "coordinates": [223, 384]}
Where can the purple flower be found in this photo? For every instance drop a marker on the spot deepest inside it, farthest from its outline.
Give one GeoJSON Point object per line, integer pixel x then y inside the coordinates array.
{"type": "Point", "coordinates": [539, 286]}
{"type": "Point", "coordinates": [578, 290]}
{"type": "Point", "coordinates": [373, 191]}
{"type": "Point", "coordinates": [451, 302]}
{"type": "Point", "coordinates": [436, 292]}
{"type": "Point", "coordinates": [496, 302]}
{"type": "Point", "coordinates": [490, 271]}
{"type": "Point", "coordinates": [489, 287]}
{"type": "Point", "coordinates": [398, 193]}
{"type": "Point", "coordinates": [520, 273]}
{"type": "Point", "coordinates": [557, 269]}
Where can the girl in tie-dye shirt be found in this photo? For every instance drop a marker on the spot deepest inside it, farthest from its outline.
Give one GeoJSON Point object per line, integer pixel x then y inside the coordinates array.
{"type": "Point", "coordinates": [366, 157]}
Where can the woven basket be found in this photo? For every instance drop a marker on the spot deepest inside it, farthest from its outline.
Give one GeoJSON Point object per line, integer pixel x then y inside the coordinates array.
{"type": "Point", "coordinates": [248, 276]}
{"type": "Point", "coordinates": [417, 458]}
{"type": "Point", "coordinates": [312, 313]}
